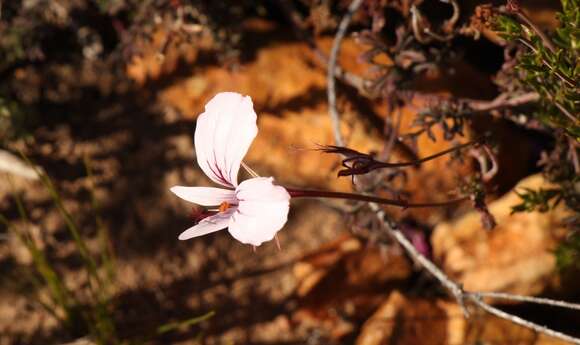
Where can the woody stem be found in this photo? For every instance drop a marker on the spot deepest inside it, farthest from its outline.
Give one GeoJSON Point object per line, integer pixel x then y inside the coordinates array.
{"type": "Point", "coordinates": [301, 193]}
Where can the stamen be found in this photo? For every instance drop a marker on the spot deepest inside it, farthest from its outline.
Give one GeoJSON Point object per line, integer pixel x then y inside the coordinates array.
{"type": "Point", "coordinates": [249, 170]}
{"type": "Point", "coordinates": [224, 206]}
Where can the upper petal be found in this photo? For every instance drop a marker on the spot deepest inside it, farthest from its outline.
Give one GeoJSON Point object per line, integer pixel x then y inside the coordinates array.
{"type": "Point", "coordinates": [262, 211]}
{"type": "Point", "coordinates": [208, 225]}
{"type": "Point", "coordinates": [223, 135]}
{"type": "Point", "coordinates": [205, 196]}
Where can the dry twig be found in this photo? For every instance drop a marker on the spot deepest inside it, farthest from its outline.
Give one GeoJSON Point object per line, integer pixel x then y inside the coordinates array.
{"type": "Point", "coordinates": [529, 299]}
{"type": "Point", "coordinates": [475, 297]}
{"type": "Point", "coordinates": [454, 288]}
{"type": "Point", "coordinates": [503, 101]}
{"type": "Point", "coordinates": [331, 92]}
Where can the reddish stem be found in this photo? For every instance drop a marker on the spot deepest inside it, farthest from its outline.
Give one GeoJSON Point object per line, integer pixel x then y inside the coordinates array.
{"type": "Point", "coordinates": [301, 193]}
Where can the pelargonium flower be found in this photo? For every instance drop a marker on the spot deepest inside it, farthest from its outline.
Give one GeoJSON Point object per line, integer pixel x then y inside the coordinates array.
{"type": "Point", "coordinates": [254, 210]}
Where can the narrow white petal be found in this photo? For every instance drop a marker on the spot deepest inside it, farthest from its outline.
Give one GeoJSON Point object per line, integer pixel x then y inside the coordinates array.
{"type": "Point", "coordinates": [205, 196]}
{"type": "Point", "coordinates": [208, 225]}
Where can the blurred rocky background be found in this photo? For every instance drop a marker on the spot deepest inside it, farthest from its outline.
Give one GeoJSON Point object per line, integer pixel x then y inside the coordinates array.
{"type": "Point", "coordinates": [102, 97]}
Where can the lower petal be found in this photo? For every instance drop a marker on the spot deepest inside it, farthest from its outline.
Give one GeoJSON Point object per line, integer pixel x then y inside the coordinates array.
{"type": "Point", "coordinates": [262, 211]}
{"type": "Point", "coordinates": [257, 229]}
{"type": "Point", "coordinates": [208, 225]}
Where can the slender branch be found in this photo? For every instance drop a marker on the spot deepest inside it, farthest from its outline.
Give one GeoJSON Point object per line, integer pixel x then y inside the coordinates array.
{"type": "Point", "coordinates": [562, 77]}
{"type": "Point", "coordinates": [460, 295]}
{"type": "Point", "coordinates": [519, 321]}
{"type": "Point", "coordinates": [503, 101]}
{"type": "Point", "coordinates": [529, 299]}
{"type": "Point", "coordinates": [564, 111]}
{"type": "Point", "coordinates": [470, 106]}
{"type": "Point", "coordinates": [547, 42]}
{"type": "Point", "coordinates": [450, 285]}
{"type": "Point", "coordinates": [331, 92]}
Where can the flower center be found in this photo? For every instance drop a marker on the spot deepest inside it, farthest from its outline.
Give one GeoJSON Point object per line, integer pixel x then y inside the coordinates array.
{"type": "Point", "coordinates": [224, 206]}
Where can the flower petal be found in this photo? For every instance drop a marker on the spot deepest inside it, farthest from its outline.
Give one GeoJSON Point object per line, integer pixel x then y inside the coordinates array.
{"type": "Point", "coordinates": [205, 196]}
{"type": "Point", "coordinates": [208, 225]}
{"type": "Point", "coordinates": [223, 135]}
{"type": "Point", "coordinates": [262, 211]}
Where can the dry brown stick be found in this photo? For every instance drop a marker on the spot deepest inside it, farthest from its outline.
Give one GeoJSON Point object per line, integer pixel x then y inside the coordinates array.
{"type": "Point", "coordinates": [457, 291]}
{"type": "Point", "coordinates": [503, 101]}
{"type": "Point", "coordinates": [529, 299]}
{"type": "Point", "coordinates": [520, 321]}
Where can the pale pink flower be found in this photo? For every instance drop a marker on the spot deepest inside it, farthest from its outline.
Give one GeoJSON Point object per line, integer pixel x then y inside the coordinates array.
{"type": "Point", "coordinates": [254, 210]}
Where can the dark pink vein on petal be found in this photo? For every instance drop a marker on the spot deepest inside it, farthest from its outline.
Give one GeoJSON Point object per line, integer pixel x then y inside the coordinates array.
{"type": "Point", "coordinates": [219, 174]}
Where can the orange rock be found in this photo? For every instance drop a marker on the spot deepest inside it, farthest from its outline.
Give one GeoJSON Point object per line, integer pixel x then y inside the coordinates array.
{"type": "Point", "coordinates": [151, 64]}
{"type": "Point", "coordinates": [344, 278]}
{"type": "Point", "coordinates": [402, 320]}
{"type": "Point", "coordinates": [517, 256]}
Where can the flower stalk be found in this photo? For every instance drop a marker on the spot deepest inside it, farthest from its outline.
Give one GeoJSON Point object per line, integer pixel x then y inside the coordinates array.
{"type": "Point", "coordinates": [304, 193]}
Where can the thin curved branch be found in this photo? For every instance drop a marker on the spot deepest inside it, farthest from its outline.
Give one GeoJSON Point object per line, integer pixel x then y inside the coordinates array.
{"type": "Point", "coordinates": [331, 82]}
{"type": "Point", "coordinates": [522, 322]}
{"type": "Point", "coordinates": [529, 299]}
{"type": "Point", "coordinates": [457, 291]}
{"type": "Point", "coordinates": [503, 101]}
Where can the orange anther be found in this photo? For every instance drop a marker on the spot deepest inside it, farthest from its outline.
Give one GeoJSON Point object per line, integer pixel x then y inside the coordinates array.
{"type": "Point", "coordinates": [224, 206]}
